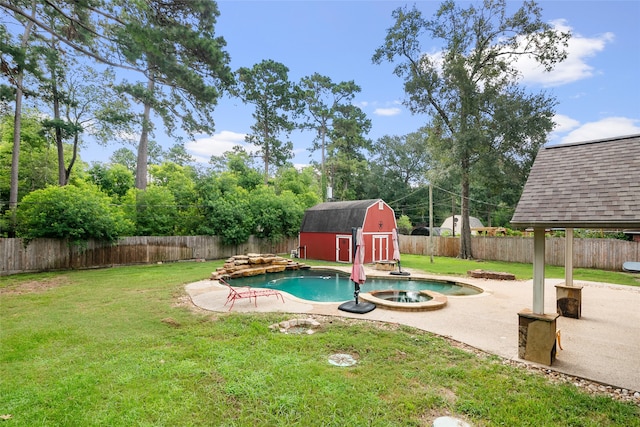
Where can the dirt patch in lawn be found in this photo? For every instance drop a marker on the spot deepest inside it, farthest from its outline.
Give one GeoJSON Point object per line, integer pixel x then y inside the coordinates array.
{"type": "Point", "coordinates": [34, 286]}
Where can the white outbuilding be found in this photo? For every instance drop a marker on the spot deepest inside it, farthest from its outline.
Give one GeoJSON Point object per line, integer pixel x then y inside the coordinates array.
{"type": "Point", "coordinates": [457, 219]}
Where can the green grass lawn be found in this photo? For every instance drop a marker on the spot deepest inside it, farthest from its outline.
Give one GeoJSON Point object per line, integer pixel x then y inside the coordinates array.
{"type": "Point", "coordinates": [119, 347]}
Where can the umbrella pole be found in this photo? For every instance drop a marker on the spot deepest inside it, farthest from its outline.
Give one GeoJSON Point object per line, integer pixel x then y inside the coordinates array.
{"type": "Point", "coordinates": [356, 292]}
{"type": "Point", "coordinates": [400, 272]}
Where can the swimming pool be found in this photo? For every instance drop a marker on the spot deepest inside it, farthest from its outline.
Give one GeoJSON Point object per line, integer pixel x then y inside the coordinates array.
{"type": "Point", "coordinates": [334, 286]}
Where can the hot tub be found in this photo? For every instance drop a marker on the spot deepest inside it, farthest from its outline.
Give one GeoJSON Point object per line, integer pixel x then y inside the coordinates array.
{"type": "Point", "coordinates": [423, 300]}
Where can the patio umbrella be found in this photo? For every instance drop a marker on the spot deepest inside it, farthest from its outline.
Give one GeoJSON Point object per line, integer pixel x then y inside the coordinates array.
{"type": "Point", "coordinates": [357, 269]}
{"type": "Point", "coordinates": [358, 276]}
{"type": "Point", "coordinates": [396, 254]}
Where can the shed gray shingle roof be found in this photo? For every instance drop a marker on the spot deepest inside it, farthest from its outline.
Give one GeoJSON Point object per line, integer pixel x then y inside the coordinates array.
{"type": "Point", "coordinates": [592, 184]}
{"type": "Point", "coordinates": [336, 217]}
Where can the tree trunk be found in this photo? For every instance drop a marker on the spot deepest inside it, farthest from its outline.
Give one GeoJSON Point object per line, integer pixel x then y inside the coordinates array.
{"type": "Point", "coordinates": [15, 156]}
{"type": "Point", "coordinates": [266, 154]}
{"type": "Point", "coordinates": [143, 147]}
{"type": "Point", "coordinates": [323, 175]}
{"type": "Point", "coordinates": [62, 181]}
{"type": "Point", "coordinates": [17, 127]}
{"type": "Point", "coordinates": [74, 156]}
{"type": "Point", "coordinates": [266, 165]}
{"type": "Point", "coordinates": [467, 141]}
{"type": "Point", "coordinates": [465, 230]}
{"type": "Point", "coordinates": [74, 153]}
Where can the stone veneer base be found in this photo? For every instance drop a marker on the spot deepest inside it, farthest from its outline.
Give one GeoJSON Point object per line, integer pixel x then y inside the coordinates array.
{"type": "Point", "coordinates": [569, 300]}
{"type": "Point", "coordinates": [537, 336]}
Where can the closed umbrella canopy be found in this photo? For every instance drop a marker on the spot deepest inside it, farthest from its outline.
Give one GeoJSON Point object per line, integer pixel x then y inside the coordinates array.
{"type": "Point", "coordinates": [396, 254]}
{"type": "Point", "coordinates": [396, 246]}
{"type": "Point", "coordinates": [357, 269]}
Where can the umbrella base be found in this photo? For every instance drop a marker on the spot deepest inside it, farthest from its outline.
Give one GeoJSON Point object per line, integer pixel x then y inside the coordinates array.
{"type": "Point", "coordinates": [400, 273]}
{"type": "Point", "coordinates": [360, 308]}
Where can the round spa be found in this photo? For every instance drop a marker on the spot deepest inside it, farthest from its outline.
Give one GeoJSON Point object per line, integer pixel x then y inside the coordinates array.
{"type": "Point", "coordinates": [423, 300]}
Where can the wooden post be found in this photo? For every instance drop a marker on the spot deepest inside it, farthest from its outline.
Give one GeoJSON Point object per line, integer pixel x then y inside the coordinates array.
{"type": "Point", "coordinates": [568, 257]}
{"type": "Point", "coordinates": [538, 270]}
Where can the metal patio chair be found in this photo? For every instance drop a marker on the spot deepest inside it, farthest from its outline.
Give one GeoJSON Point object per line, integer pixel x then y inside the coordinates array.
{"type": "Point", "coordinates": [240, 292]}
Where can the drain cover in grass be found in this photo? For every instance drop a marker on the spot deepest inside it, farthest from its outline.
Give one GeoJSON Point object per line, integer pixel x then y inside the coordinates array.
{"type": "Point", "coordinates": [449, 422]}
{"type": "Point", "coordinates": [341, 359]}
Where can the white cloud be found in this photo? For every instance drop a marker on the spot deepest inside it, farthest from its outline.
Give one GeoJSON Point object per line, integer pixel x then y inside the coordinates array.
{"type": "Point", "coordinates": [574, 67]}
{"type": "Point", "coordinates": [394, 111]}
{"type": "Point", "coordinates": [605, 128]}
{"type": "Point", "coordinates": [564, 123]}
{"type": "Point", "coordinates": [203, 148]}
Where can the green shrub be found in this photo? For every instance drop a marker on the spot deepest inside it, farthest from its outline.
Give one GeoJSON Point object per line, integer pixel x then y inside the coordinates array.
{"type": "Point", "coordinates": [70, 212]}
{"type": "Point", "coordinates": [275, 215]}
{"type": "Point", "coordinates": [404, 225]}
{"type": "Point", "coordinates": [153, 211]}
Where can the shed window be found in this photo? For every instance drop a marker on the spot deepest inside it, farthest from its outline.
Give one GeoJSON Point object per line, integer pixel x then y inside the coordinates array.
{"type": "Point", "coordinates": [380, 205]}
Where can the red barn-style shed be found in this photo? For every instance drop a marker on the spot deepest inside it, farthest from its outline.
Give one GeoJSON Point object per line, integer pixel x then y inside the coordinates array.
{"type": "Point", "coordinates": [326, 230]}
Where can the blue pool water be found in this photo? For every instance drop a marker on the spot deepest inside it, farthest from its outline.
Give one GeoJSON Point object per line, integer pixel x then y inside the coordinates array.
{"type": "Point", "coordinates": [333, 286]}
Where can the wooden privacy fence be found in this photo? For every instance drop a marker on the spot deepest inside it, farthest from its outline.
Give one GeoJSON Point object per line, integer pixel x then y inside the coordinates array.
{"type": "Point", "coordinates": [54, 254]}
{"type": "Point", "coordinates": [603, 254]}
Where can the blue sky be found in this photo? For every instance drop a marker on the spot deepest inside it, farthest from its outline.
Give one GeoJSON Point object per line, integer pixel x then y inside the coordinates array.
{"type": "Point", "coordinates": [597, 87]}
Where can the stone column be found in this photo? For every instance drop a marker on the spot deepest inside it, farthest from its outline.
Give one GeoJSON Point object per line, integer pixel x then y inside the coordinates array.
{"type": "Point", "coordinates": [537, 337]}
{"type": "Point", "coordinates": [569, 300]}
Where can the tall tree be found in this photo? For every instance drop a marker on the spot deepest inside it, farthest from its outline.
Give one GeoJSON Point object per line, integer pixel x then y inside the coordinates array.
{"type": "Point", "coordinates": [125, 157]}
{"type": "Point", "coordinates": [266, 85]}
{"type": "Point", "coordinates": [184, 63]}
{"type": "Point", "coordinates": [464, 87]}
{"type": "Point", "coordinates": [82, 102]}
{"type": "Point", "coordinates": [56, 96]}
{"type": "Point", "coordinates": [94, 108]}
{"type": "Point", "coordinates": [15, 72]}
{"type": "Point", "coordinates": [65, 23]}
{"type": "Point", "coordinates": [37, 162]}
{"type": "Point", "coordinates": [172, 43]}
{"type": "Point", "coordinates": [322, 97]}
{"type": "Point", "coordinates": [178, 155]}
{"type": "Point", "coordinates": [404, 157]}
{"type": "Point", "coordinates": [347, 151]}
{"type": "Point", "coordinates": [398, 167]}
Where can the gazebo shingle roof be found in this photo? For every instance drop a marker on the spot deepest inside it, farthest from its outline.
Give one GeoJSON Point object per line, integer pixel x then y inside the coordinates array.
{"type": "Point", "coordinates": [336, 217]}
{"type": "Point", "coordinates": [593, 184]}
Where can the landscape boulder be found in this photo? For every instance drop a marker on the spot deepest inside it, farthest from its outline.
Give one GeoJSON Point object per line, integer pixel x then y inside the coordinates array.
{"type": "Point", "coordinates": [255, 264]}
